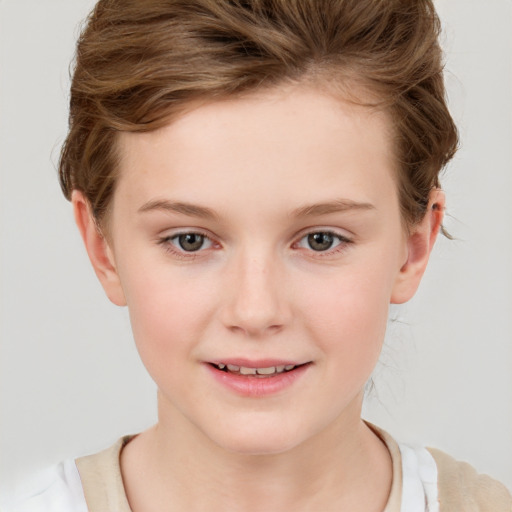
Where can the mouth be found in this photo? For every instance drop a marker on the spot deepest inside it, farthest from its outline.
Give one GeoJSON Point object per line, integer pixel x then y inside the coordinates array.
{"type": "Point", "coordinates": [258, 378]}
{"type": "Point", "coordinates": [257, 372]}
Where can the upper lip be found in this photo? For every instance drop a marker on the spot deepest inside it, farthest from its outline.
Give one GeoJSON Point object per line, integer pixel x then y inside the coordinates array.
{"type": "Point", "coordinates": [256, 363]}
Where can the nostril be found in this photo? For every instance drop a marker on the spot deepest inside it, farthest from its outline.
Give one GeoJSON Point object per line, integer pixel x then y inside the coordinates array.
{"type": "Point", "coordinates": [255, 331]}
{"type": "Point", "coordinates": [255, 303]}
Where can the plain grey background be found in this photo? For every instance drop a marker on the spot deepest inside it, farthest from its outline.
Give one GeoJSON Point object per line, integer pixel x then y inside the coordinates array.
{"type": "Point", "coordinates": [71, 382]}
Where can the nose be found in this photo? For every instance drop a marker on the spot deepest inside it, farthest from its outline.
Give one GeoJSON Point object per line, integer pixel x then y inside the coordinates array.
{"type": "Point", "coordinates": [255, 301]}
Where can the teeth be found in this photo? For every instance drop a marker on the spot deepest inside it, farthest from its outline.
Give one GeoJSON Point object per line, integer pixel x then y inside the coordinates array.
{"type": "Point", "coordinates": [247, 371]}
{"type": "Point", "coordinates": [266, 371]}
{"type": "Point", "coordinates": [244, 370]}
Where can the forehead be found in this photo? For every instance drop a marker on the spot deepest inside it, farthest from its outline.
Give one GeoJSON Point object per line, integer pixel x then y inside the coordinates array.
{"type": "Point", "coordinates": [286, 144]}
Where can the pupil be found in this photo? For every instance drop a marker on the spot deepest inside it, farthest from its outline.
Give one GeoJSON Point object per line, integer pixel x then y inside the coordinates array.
{"type": "Point", "coordinates": [320, 241]}
{"type": "Point", "coordinates": [191, 241]}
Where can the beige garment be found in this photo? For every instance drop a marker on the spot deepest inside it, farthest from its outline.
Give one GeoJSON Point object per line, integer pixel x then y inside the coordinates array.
{"type": "Point", "coordinates": [395, 495]}
{"type": "Point", "coordinates": [103, 483]}
{"type": "Point", "coordinates": [461, 488]}
{"type": "Point", "coordinates": [101, 478]}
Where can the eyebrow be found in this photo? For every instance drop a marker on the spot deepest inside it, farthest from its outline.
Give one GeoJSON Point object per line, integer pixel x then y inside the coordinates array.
{"type": "Point", "coordinates": [193, 210]}
{"type": "Point", "coordinates": [339, 205]}
{"type": "Point", "coordinates": [189, 209]}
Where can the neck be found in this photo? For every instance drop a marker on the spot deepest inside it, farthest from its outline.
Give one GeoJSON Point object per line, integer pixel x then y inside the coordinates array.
{"type": "Point", "coordinates": [173, 466]}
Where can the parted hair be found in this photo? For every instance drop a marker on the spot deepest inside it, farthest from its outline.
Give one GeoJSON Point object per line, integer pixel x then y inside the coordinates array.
{"type": "Point", "coordinates": [139, 63]}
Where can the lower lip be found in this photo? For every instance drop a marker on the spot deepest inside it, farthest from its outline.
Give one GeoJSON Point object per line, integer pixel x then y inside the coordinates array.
{"type": "Point", "coordinates": [248, 385]}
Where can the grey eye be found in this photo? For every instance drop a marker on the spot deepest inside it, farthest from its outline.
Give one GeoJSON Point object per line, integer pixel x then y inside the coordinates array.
{"type": "Point", "coordinates": [190, 242]}
{"type": "Point", "coordinates": [321, 241]}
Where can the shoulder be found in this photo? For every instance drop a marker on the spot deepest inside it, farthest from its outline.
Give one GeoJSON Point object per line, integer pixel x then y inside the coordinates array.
{"type": "Point", "coordinates": [56, 489]}
{"type": "Point", "coordinates": [93, 482]}
{"type": "Point", "coordinates": [460, 487]}
{"type": "Point", "coordinates": [101, 478]}
{"type": "Point", "coordinates": [434, 481]}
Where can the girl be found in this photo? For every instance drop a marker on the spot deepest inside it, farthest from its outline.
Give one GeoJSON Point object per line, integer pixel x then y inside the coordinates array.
{"type": "Point", "coordinates": [257, 182]}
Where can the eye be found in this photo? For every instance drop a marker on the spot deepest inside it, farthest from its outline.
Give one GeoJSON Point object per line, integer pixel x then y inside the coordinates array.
{"type": "Point", "coordinates": [321, 241]}
{"type": "Point", "coordinates": [190, 242]}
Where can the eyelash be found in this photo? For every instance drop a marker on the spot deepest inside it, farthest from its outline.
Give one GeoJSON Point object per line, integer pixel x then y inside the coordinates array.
{"type": "Point", "coordinates": [343, 243]}
{"type": "Point", "coordinates": [170, 247]}
{"type": "Point", "coordinates": [167, 243]}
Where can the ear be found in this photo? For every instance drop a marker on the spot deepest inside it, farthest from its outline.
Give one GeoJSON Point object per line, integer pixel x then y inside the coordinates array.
{"type": "Point", "coordinates": [98, 249]}
{"type": "Point", "coordinates": [420, 242]}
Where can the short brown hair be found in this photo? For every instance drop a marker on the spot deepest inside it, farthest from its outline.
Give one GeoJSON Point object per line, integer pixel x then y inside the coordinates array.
{"type": "Point", "coordinates": [140, 62]}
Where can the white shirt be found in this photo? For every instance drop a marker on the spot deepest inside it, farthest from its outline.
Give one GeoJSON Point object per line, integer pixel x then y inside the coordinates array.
{"type": "Point", "coordinates": [59, 488]}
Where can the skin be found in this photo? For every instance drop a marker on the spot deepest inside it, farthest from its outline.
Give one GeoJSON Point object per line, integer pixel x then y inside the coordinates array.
{"type": "Point", "coordinates": [257, 289]}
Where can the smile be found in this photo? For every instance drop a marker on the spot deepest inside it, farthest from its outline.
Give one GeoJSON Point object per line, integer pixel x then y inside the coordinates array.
{"type": "Point", "coordinates": [257, 372]}
{"type": "Point", "coordinates": [257, 379]}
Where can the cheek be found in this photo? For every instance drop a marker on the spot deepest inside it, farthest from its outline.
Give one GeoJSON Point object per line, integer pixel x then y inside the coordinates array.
{"type": "Point", "coordinates": [349, 329]}
{"type": "Point", "coordinates": [168, 312]}
{"type": "Point", "coordinates": [348, 312]}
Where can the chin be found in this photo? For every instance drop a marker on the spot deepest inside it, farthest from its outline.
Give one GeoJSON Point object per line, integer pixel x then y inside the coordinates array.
{"type": "Point", "coordinates": [257, 438]}
{"type": "Point", "coordinates": [257, 445]}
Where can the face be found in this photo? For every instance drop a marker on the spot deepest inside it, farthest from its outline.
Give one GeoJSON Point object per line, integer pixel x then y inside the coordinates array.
{"type": "Point", "coordinates": [258, 243]}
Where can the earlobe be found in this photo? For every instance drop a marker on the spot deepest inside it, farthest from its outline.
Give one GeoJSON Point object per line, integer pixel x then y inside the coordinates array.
{"type": "Point", "coordinates": [420, 243]}
{"type": "Point", "coordinates": [98, 249]}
